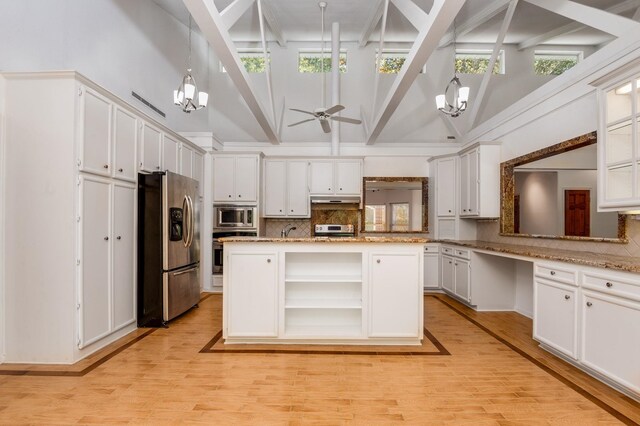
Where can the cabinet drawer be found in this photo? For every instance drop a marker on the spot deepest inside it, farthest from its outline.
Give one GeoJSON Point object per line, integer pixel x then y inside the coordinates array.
{"type": "Point", "coordinates": [554, 273]}
{"type": "Point", "coordinates": [431, 248]}
{"type": "Point", "coordinates": [615, 286]}
{"type": "Point", "coordinates": [463, 253]}
{"type": "Point", "coordinates": [447, 250]}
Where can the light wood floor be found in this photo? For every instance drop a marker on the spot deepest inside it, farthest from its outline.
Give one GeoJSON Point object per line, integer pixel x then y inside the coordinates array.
{"type": "Point", "coordinates": [495, 375]}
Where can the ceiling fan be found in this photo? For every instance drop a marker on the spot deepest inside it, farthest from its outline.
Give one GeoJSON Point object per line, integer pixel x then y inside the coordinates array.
{"type": "Point", "coordinates": [322, 114]}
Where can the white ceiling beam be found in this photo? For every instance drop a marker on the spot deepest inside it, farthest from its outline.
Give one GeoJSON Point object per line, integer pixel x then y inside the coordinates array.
{"type": "Point", "coordinates": [234, 11]}
{"type": "Point", "coordinates": [477, 102]}
{"type": "Point", "coordinates": [213, 28]}
{"type": "Point", "coordinates": [590, 16]}
{"type": "Point", "coordinates": [376, 81]}
{"type": "Point", "coordinates": [372, 22]}
{"type": "Point", "coordinates": [274, 24]}
{"type": "Point", "coordinates": [267, 62]}
{"type": "Point", "coordinates": [473, 22]}
{"type": "Point", "coordinates": [636, 15]}
{"type": "Point", "coordinates": [440, 17]}
{"type": "Point", "coordinates": [412, 12]}
{"type": "Point", "coordinates": [575, 26]}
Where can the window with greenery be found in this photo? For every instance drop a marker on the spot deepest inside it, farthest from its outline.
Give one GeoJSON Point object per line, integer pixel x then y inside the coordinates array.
{"type": "Point", "coordinates": [375, 217]}
{"type": "Point", "coordinates": [400, 216]}
{"type": "Point", "coordinates": [477, 62]}
{"type": "Point", "coordinates": [554, 63]}
{"type": "Point", "coordinates": [310, 61]}
{"type": "Point", "coordinates": [253, 61]}
{"type": "Point", "coordinates": [391, 61]}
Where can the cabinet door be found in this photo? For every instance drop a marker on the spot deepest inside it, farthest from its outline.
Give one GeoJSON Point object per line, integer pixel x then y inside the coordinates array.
{"type": "Point", "coordinates": [170, 154]}
{"type": "Point", "coordinates": [395, 295]}
{"type": "Point", "coordinates": [124, 255]}
{"type": "Point", "coordinates": [611, 337]}
{"type": "Point", "coordinates": [464, 184]}
{"type": "Point", "coordinates": [150, 149]}
{"type": "Point", "coordinates": [197, 171]}
{"type": "Point", "coordinates": [321, 173]}
{"type": "Point", "coordinates": [348, 177]}
{"type": "Point", "coordinates": [95, 318]}
{"type": "Point", "coordinates": [297, 189]}
{"type": "Point", "coordinates": [96, 133]}
{"type": "Point", "coordinates": [253, 297]}
{"type": "Point", "coordinates": [473, 182]}
{"type": "Point", "coordinates": [462, 273]}
{"type": "Point", "coordinates": [223, 179]}
{"type": "Point", "coordinates": [431, 270]}
{"type": "Point", "coordinates": [555, 316]}
{"type": "Point", "coordinates": [447, 273]}
{"type": "Point", "coordinates": [125, 143]}
{"type": "Point", "coordinates": [275, 173]}
{"type": "Point", "coordinates": [186, 162]}
{"type": "Point", "coordinates": [446, 186]}
{"type": "Point", "coordinates": [246, 178]}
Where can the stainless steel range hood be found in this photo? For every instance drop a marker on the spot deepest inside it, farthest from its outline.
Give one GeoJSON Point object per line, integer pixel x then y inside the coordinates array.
{"type": "Point", "coordinates": [335, 199]}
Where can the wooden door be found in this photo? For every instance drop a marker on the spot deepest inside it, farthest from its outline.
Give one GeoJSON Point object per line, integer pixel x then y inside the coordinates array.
{"type": "Point", "coordinates": [576, 212]}
{"type": "Point", "coordinates": [516, 214]}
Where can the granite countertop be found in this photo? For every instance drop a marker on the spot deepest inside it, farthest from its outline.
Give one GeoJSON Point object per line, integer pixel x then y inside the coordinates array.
{"type": "Point", "coordinates": [410, 240]}
{"type": "Point", "coordinates": [598, 260]}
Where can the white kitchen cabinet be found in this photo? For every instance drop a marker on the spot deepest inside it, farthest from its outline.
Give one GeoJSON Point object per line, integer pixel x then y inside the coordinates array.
{"type": "Point", "coordinates": [197, 170]}
{"type": "Point", "coordinates": [125, 141]}
{"type": "Point", "coordinates": [286, 188]}
{"type": "Point", "coordinates": [462, 274]}
{"type": "Point", "coordinates": [555, 317]}
{"type": "Point", "coordinates": [95, 298]}
{"type": "Point", "coordinates": [395, 301]}
{"type": "Point", "coordinates": [170, 155]}
{"type": "Point", "coordinates": [480, 182]}
{"type": "Point", "coordinates": [619, 143]}
{"type": "Point", "coordinates": [611, 338]}
{"type": "Point", "coordinates": [95, 129]}
{"type": "Point", "coordinates": [431, 267]}
{"type": "Point", "coordinates": [124, 255]}
{"type": "Point", "coordinates": [186, 162]}
{"type": "Point", "coordinates": [235, 178]}
{"type": "Point", "coordinates": [448, 273]}
{"type": "Point", "coordinates": [335, 177]}
{"type": "Point", "coordinates": [446, 187]}
{"type": "Point", "coordinates": [150, 148]}
{"type": "Point", "coordinates": [252, 300]}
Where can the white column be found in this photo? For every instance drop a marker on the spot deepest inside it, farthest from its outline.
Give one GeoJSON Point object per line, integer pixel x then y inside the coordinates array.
{"type": "Point", "coordinates": [335, 85]}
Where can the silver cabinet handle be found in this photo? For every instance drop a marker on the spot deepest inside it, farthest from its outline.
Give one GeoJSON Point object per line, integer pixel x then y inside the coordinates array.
{"type": "Point", "coordinates": [378, 261]}
{"type": "Point", "coordinates": [609, 284]}
{"type": "Point", "coordinates": [589, 304]}
{"type": "Point", "coordinates": [567, 297]}
{"type": "Point", "coordinates": [552, 272]}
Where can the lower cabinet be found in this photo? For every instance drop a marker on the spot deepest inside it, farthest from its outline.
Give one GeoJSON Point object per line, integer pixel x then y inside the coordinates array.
{"type": "Point", "coordinates": [448, 273]}
{"type": "Point", "coordinates": [431, 267]}
{"type": "Point", "coordinates": [611, 337]}
{"type": "Point", "coordinates": [394, 309]}
{"type": "Point", "coordinates": [456, 272]}
{"type": "Point", "coordinates": [462, 274]}
{"type": "Point", "coordinates": [252, 303]}
{"type": "Point", "coordinates": [555, 316]}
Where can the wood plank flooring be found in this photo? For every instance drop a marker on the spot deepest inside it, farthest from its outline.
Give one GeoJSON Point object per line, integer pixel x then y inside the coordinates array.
{"type": "Point", "coordinates": [495, 374]}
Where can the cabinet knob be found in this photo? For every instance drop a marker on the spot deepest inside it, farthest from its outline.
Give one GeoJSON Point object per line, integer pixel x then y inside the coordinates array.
{"type": "Point", "coordinates": [121, 170]}
{"type": "Point", "coordinates": [609, 284]}
{"type": "Point", "coordinates": [268, 260]}
{"type": "Point", "coordinates": [106, 166]}
{"type": "Point", "coordinates": [552, 272]}
{"type": "Point", "coordinates": [118, 237]}
{"type": "Point", "coordinates": [449, 211]}
{"type": "Point", "coordinates": [157, 167]}
{"type": "Point", "coordinates": [280, 210]}
{"type": "Point", "coordinates": [567, 297]}
{"type": "Point", "coordinates": [378, 261]}
{"type": "Point", "coordinates": [291, 210]}
{"type": "Point", "coordinates": [239, 196]}
{"type": "Point", "coordinates": [449, 262]}
{"type": "Point", "coordinates": [329, 189]}
{"type": "Point", "coordinates": [464, 210]}
{"type": "Point", "coordinates": [340, 189]}
{"type": "Point", "coordinates": [589, 304]}
{"type": "Point", "coordinates": [456, 263]}
{"type": "Point", "coordinates": [426, 249]}
{"type": "Point", "coordinates": [229, 195]}
{"type": "Point", "coordinates": [106, 238]}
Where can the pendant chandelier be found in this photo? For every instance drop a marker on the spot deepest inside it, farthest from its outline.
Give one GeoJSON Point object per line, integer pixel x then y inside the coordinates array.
{"type": "Point", "coordinates": [459, 94]}
{"type": "Point", "coordinates": [187, 95]}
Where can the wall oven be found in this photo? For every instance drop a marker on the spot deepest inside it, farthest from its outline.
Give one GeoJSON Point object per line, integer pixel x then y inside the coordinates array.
{"type": "Point", "coordinates": [218, 252]}
{"type": "Point", "coordinates": [235, 218]}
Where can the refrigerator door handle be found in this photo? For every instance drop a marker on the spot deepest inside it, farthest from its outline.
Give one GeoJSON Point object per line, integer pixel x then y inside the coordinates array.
{"type": "Point", "coordinates": [185, 271]}
{"type": "Point", "coordinates": [192, 222]}
{"type": "Point", "coordinates": [186, 221]}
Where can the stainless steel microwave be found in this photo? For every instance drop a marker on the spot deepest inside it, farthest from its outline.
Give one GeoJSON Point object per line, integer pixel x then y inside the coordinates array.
{"type": "Point", "coordinates": [235, 217]}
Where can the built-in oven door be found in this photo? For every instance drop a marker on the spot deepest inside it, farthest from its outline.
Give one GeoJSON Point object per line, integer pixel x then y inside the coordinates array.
{"type": "Point", "coordinates": [217, 258]}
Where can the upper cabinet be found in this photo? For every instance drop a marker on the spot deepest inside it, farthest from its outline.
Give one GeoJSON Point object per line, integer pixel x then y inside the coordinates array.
{"type": "Point", "coordinates": [125, 141]}
{"type": "Point", "coordinates": [446, 187]}
{"type": "Point", "coordinates": [286, 188]}
{"type": "Point", "coordinates": [235, 178]}
{"type": "Point", "coordinates": [480, 182]}
{"type": "Point", "coordinates": [150, 149]}
{"type": "Point", "coordinates": [95, 131]}
{"type": "Point", "coordinates": [170, 154]}
{"type": "Point", "coordinates": [619, 144]}
{"type": "Point", "coordinates": [335, 177]}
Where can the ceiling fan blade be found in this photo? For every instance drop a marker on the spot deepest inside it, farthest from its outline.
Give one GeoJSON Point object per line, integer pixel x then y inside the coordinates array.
{"type": "Point", "coordinates": [325, 125]}
{"type": "Point", "coordinates": [306, 112]}
{"type": "Point", "coordinates": [347, 120]}
{"type": "Point", "coordinates": [300, 122]}
{"type": "Point", "coordinates": [334, 109]}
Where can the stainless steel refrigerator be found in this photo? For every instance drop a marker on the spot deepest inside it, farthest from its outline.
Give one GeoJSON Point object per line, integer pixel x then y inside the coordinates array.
{"type": "Point", "coordinates": [168, 247]}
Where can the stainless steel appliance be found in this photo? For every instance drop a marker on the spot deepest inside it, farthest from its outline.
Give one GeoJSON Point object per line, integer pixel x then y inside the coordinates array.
{"type": "Point", "coordinates": [168, 249]}
{"type": "Point", "coordinates": [234, 218]}
{"type": "Point", "coordinates": [218, 248]}
{"type": "Point", "coordinates": [334, 231]}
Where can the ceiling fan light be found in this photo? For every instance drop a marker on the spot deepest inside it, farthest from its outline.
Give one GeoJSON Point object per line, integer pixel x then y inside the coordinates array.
{"type": "Point", "coordinates": [203, 99]}
{"type": "Point", "coordinates": [440, 101]}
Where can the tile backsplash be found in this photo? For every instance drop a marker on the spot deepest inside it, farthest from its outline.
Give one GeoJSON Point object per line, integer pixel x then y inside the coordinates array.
{"type": "Point", "coordinates": [274, 226]}
{"type": "Point", "coordinates": [342, 214]}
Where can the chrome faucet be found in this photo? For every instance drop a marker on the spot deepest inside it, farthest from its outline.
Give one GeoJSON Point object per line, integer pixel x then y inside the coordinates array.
{"type": "Point", "coordinates": [285, 231]}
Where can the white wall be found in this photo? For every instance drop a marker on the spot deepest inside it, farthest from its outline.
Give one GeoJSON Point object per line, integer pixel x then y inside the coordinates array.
{"type": "Point", "coordinates": [2, 204]}
{"type": "Point", "coordinates": [538, 202]}
{"type": "Point", "coordinates": [122, 45]}
{"type": "Point", "coordinates": [392, 196]}
{"type": "Point", "coordinates": [524, 288]}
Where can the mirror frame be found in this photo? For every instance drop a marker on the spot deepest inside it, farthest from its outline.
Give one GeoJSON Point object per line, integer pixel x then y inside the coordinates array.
{"type": "Point", "coordinates": [425, 202]}
{"type": "Point", "coordinates": [507, 189]}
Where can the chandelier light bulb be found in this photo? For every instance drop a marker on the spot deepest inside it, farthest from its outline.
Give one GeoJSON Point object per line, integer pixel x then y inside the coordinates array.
{"type": "Point", "coordinates": [203, 99]}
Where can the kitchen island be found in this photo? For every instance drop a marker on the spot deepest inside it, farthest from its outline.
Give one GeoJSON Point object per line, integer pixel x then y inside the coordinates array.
{"type": "Point", "coordinates": [366, 290]}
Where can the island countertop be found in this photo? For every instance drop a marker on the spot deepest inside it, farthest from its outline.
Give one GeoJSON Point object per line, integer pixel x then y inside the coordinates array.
{"type": "Point", "coordinates": [401, 240]}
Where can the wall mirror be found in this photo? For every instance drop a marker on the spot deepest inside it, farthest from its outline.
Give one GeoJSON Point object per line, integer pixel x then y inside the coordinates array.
{"type": "Point", "coordinates": [551, 193]}
{"type": "Point", "coordinates": [394, 204]}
